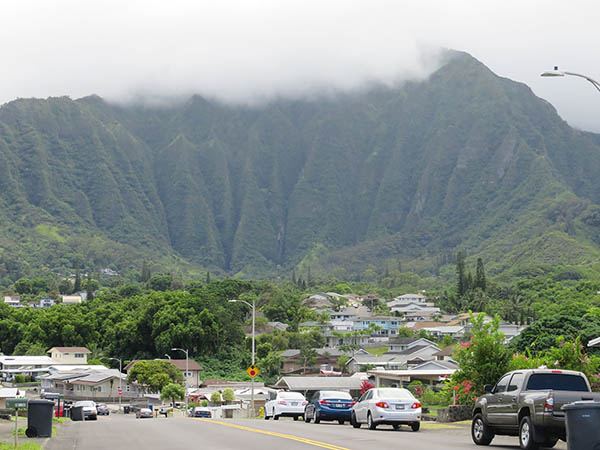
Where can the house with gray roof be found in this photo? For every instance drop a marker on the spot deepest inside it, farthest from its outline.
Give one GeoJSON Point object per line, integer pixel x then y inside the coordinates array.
{"type": "Point", "coordinates": [309, 385]}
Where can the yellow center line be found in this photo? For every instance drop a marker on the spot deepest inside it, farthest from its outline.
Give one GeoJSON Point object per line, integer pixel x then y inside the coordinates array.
{"type": "Point", "coordinates": [280, 435]}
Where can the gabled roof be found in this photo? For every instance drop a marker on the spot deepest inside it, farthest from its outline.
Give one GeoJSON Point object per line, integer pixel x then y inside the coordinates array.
{"type": "Point", "coordinates": [448, 351]}
{"type": "Point", "coordinates": [435, 365]}
{"type": "Point", "coordinates": [70, 350]}
{"type": "Point", "coordinates": [411, 350]}
{"type": "Point", "coordinates": [318, 383]}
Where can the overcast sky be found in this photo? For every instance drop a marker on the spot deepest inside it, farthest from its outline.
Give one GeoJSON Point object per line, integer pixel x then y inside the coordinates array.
{"type": "Point", "coordinates": [247, 50]}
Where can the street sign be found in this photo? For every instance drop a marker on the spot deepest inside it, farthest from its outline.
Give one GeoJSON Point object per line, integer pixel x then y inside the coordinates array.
{"type": "Point", "coordinates": [120, 392]}
{"type": "Point", "coordinates": [16, 403]}
{"type": "Point", "coordinates": [252, 371]}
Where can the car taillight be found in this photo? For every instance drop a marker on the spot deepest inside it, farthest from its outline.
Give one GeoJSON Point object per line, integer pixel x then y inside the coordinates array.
{"type": "Point", "coordinates": [353, 403]}
{"type": "Point", "coordinates": [304, 403]}
{"type": "Point", "coordinates": [282, 402]}
{"type": "Point", "coordinates": [383, 405]}
{"type": "Point", "coordinates": [415, 405]}
{"type": "Point", "coordinates": [549, 405]}
{"type": "Point", "coordinates": [324, 402]}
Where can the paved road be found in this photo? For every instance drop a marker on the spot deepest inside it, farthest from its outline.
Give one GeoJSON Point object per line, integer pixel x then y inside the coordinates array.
{"type": "Point", "coordinates": [127, 433]}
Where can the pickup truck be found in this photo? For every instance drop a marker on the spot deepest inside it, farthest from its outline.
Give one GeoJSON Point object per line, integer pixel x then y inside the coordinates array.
{"type": "Point", "coordinates": [527, 404]}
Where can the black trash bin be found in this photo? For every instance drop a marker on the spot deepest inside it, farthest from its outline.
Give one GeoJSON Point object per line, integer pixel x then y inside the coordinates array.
{"type": "Point", "coordinates": [126, 409]}
{"type": "Point", "coordinates": [39, 418]}
{"type": "Point", "coordinates": [582, 419]}
{"type": "Point", "coordinates": [77, 413]}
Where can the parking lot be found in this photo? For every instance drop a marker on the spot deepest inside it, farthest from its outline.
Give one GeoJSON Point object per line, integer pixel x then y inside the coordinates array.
{"type": "Point", "coordinates": [127, 432]}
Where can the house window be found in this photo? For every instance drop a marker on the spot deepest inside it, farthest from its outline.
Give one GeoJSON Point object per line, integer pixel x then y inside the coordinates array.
{"type": "Point", "coordinates": [78, 355]}
{"type": "Point", "coordinates": [102, 388]}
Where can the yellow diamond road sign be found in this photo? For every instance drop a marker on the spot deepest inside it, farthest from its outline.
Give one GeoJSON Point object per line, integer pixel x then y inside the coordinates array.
{"type": "Point", "coordinates": [252, 371]}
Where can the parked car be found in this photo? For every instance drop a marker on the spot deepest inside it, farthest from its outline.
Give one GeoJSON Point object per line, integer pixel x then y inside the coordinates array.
{"type": "Point", "coordinates": [144, 413]}
{"type": "Point", "coordinates": [102, 409]}
{"type": "Point", "coordinates": [329, 405]}
{"type": "Point", "coordinates": [527, 403]}
{"type": "Point", "coordinates": [89, 409]}
{"type": "Point", "coordinates": [287, 404]}
{"type": "Point", "coordinates": [387, 406]}
{"type": "Point", "coordinates": [201, 411]}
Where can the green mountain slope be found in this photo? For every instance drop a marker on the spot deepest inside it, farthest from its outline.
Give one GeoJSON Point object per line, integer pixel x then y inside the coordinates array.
{"type": "Point", "coordinates": [465, 159]}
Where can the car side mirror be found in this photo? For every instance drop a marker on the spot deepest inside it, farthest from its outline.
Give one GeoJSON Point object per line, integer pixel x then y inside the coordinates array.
{"type": "Point", "coordinates": [488, 388]}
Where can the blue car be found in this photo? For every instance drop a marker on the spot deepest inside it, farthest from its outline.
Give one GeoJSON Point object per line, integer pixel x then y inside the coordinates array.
{"type": "Point", "coordinates": [329, 405]}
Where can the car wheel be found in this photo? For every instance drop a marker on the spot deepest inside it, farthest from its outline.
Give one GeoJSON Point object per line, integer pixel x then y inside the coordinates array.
{"type": "Point", "coordinates": [317, 417]}
{"type": "Point", "coordinates": [354, 422]}
{"type": "Point", "coordinates": [370, 422]}
{"type": "Point", "coordinates": [480, 432]}
{"type": "Point", "coordinates": [526, 432]}
{"type": "Point", "coordinates": [266, 415]}
{"type": "Point", "coordinates": [341, 421]}
{"type": "Point", "coordinates": [295, 418]}
{"type": "Point", "coordinates": [275, 417]}
{"type": "Point", "coordinates": [306, 418]}
{"type": "Point", "coordinates": [396, 427]}
{"type": "Point", "coordinates": [415, 426]}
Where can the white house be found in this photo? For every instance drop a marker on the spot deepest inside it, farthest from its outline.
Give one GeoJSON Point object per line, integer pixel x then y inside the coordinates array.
{"type": "Point", "coordinates": [69, 355]}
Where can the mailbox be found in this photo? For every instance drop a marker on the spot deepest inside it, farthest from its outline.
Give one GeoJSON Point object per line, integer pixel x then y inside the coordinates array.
{"type": "Point", "coordinates": [16, 403]}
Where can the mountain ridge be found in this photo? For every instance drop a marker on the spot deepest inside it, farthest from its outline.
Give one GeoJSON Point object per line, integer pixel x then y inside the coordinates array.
{"type": "Point", "coordinates": [464, 159]}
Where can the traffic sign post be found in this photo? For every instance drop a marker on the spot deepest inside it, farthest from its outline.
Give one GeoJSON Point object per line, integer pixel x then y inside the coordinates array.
{"type": "Point", "coordinates": [16, 404]}
{"type": "Point", "coordinates": [252, 371]}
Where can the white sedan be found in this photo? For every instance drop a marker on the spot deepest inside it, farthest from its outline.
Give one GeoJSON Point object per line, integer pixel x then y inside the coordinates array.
{"type": "Point", "coordinates": [287, 404]}
{"type": "Point", "coordinates": [387, 406]}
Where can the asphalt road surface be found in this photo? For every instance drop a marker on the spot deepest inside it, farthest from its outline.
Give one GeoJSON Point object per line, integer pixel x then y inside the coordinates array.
{"type": "Point", "coordinates": [125, 432]}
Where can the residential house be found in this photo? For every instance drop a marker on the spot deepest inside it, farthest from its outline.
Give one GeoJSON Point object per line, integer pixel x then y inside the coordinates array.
{"type": "Point", "coordinates": [293, 360]}
{"type": "Point", "coordinates": [446, 354]}
{"type": "Point", "coordinates": [387, 325]}
{"type": "Point", "coordinates": [361, 362]}
{"type": "Point", "coordinates": [350, 313]}
{"type": "Point", "coordinates": [399, 344]}
{"type": "Point", "coordinates": [70, 299]}
{"type": "Point", "coordinates": [46, 302]}
{"type": "Point", "coordinates": [8, 393]}
{"type": "Point", "coordinates": [456, 332]}
{"type": "Point", "coordinates": [309, 385]}
{"type": "Point", "coordinates": [32, 366]}
{"type": "Point", "coordinates": [101, 385]}
{"type": "Point", "coordinates": [69, 355]}
{"type": "Point", "coordinates": [416, 354]}
{"type": "Point", "coordinates": [13, 301]}
{"type": "Point", "coordinates": [191, 374]}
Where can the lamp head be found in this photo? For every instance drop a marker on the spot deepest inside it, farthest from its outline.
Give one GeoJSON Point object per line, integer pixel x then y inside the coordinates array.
{"type": "Point", "coordinates": [553, 73]}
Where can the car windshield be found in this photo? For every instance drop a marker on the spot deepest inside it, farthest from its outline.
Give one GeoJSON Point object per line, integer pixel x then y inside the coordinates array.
{"type": "Point", "coordinates": [86, 403]}
{"type": "Point", "coordinates": [391, 393]}
{"type": "Point", "coordinates": [291, 395]}
{"type": "Point", "coordinates": [146, 410]}
{"type": "Point", "coordinates": [336, 394]}
{"type": "Point", "coordinates": [556, 381]}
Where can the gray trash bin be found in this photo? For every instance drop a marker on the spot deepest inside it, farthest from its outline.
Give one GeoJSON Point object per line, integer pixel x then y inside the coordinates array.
{"type": "Point", "coordinates": [582, 419]}
{"type": "Point", "coordinates": [39, 418]}
{"type": "Point", "coordinates": [77, 413]}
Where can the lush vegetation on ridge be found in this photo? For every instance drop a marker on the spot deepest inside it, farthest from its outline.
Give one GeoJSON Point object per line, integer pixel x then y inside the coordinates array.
{"type": "Point", "coordinates": [362, 186]}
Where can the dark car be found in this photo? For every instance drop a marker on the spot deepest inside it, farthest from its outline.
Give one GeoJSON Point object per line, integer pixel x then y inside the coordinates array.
{"type": "Point", "coordinates": [201, 411]}
{"type": "Point", "coordinates": [329, 405]}
{"type": "Point", "coordinates": [528, 404]}
{"type": "Point", "coordinates": [102, 409]}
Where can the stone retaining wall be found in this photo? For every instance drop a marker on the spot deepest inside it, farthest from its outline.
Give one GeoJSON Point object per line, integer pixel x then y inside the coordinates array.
{"type": "Point", "coordinates": [455, 413]}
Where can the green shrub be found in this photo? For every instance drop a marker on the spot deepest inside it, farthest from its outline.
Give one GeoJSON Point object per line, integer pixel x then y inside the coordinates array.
{"type": "Point", "coordinates": [228, 395]}
{"type": "Point", "coordinates": [215, 397]}
{"type": "Point", "coordinates": [204, 403]}
{"type": "Point", "coordinates": [19, 378]}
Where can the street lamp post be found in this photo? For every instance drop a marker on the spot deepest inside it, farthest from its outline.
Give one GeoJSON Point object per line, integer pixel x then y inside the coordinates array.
{"type": "Point", "coordinates": [560, 73]}
{"type": "Point", "coordinates": [251, 305]}
{"type": "Point", "coordinates": [120, 376]}
{"type": "Point", "coordinates": [186, 375]}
